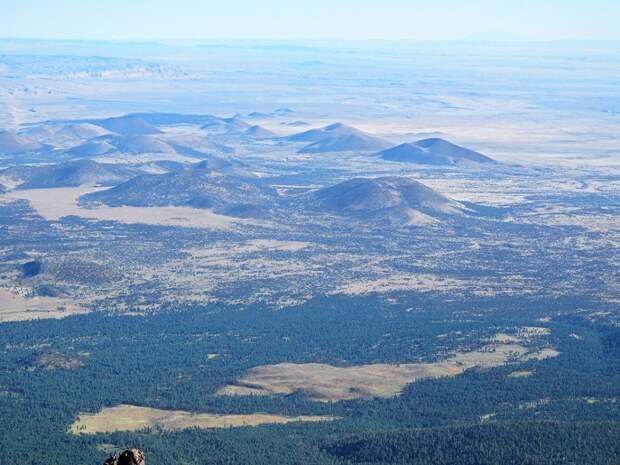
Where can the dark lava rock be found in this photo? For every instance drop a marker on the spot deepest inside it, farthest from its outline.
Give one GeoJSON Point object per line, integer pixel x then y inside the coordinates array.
{"type": "Point", "coordinates": [31, 269]}
{"type": "Point", "coordinates": [128, 457]}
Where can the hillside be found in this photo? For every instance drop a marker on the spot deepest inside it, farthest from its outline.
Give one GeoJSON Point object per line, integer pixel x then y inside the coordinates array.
{"type": "Point", "coordinates": [14, 144]}
{"type": "Point", "coordinates": [198, 187]}
{"type": "Point", "coordinates": [68, 174]}
{"type": "Point", "coordinates": [337, 137]}
{"type": "Point", "coordinates": [397, 199]}
{"type": "Point", "coordinates": [233, 124]}
{"type": "Point", "coordinates": [92, 148]}
{"type": "Point", "coordinates": [136, 145]}
{"type": "Point", "coordinates": [128, 125]}
{"type": "Point", "coordinates": [171, 119]}
{"type": "Point", "coordinates": [80, 131]}
{"type": "Point", "coordinates": [433, 151]}
{"type": "Point", "coordinates": [129, 145]}
{"type": "Point", "coordinates": [259, 132]}
{"type": "Point", "coordinates": [63, 134]}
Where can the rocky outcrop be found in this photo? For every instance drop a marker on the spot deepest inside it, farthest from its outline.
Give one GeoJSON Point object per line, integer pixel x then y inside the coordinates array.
{"type": "Point", "coordinates": [52, 360]}
{"type": "Point", "coordinates": [128, 457]}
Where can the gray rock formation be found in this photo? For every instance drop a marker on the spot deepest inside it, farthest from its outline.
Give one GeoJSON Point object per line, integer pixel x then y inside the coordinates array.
{"type": "Point", "coordinates": [128, 457]}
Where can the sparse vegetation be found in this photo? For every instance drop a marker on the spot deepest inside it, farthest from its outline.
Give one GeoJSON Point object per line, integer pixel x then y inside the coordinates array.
{"type": "Point", "coordinates": [292, 284]}
{"type": "Point", "coordinates": [134, 418]}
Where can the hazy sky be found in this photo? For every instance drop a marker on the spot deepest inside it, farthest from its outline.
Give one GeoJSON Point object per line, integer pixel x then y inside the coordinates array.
{"type": "Point", "coordinates": [316, 19]}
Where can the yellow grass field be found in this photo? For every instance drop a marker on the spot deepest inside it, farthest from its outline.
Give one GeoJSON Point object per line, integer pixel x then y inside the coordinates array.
{"type": "Point", "coordinates": [14, 307]}
{"type": "Point", "coordinates": [135, 418]}
{"type": "Point", "coordinates": [327, 383]}
{"type": "Point", "coordinates": [53, 204]}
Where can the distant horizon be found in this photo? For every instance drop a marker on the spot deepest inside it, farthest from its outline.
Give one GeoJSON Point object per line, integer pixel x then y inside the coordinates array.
{"type": "Point", "coordinates": [164, 40]}
{"type": "Point", "coordinates": [419, 20]}
{"type": "Point", "coordinates": [223, 40]}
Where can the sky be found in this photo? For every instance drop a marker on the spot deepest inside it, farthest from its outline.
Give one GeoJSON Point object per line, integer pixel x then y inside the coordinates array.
{"type": "Point", "coordinates": [316, 19]}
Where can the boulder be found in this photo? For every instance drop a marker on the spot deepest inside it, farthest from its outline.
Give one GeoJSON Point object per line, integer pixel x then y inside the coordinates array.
{"type": "Point", "coordinates": [128, 457]}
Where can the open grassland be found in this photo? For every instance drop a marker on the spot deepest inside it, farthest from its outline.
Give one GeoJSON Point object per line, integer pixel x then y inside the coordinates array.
{"type": "Point", "coordinates": [15, 307]}
{"type": "Point", "coordinates": [135, 418]}
{"type": "Point", "coordinates": [329, 383]}
{"type": "Point", "coordinates": [53, 204]}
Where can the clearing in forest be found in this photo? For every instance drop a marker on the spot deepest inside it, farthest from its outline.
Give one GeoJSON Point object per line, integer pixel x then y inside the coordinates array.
{"type": "Point", "coordinates": [135, 418]}
{"type": "Point", "coordinates": [329, 383]}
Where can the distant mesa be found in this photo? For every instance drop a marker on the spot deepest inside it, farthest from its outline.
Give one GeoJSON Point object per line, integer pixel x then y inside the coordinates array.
{"type": "Point", "coordinates": [67, 174]}
{"type": "Point", "coordinates": [283, 111]}
{"type": "Point", "coordinates": [295, 123]}
{"type": "Point", "coordinates": [128, 125]}
{"type": "Point", "coordinates": [338, 137]}
{"type": "Point", "coordinates": [259, 115]}
{"type": "Point", "coordinates": [15, 144]}
{"type": "Point", "coordinates": [434, 151]}
{"type": "Point", "coordinates": [394, 199]}
{"type": "Point", "coordinates": [172, 119]}
{"type": "Point", "coordinates": [197, 187]}
{"type": "Point", "coordinates": [273, 114]}
{"type": "Point", "coordinates": [259, 132]}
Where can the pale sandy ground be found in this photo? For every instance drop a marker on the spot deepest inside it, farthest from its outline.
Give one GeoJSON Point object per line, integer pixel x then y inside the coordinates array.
{"type": "Point", "coordinates": [14, 307]}
{"type": "Point", "coordinates": [53, 204]}
{"type": "Point", "coordinates": [134, 418]}
{"type": "Point", "coordinates": [328, 383]}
